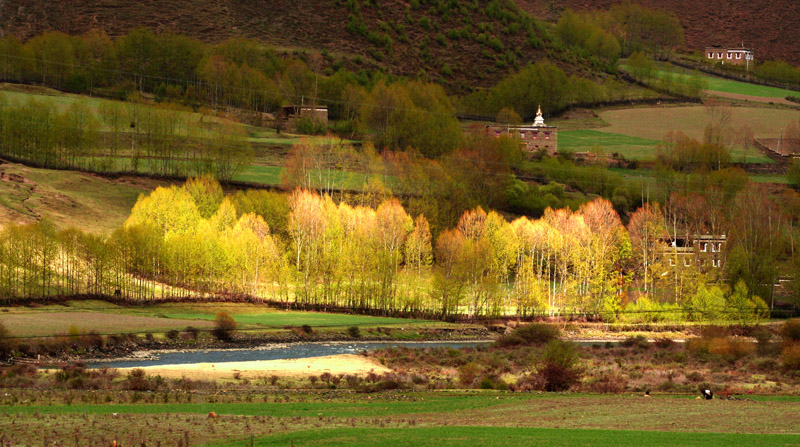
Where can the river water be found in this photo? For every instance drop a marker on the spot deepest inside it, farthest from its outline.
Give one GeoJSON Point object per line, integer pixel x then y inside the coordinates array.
{"type": "Point", "coordinates": [272, 352]}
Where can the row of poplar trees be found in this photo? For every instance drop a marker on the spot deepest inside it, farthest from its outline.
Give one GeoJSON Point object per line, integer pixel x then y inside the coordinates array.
{"type": "Point", "coordinates": [305, 249]}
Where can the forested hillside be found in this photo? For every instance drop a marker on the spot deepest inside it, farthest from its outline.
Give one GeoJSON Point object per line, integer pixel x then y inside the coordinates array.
{"type": "Point", "coordinates": [460, 43]}
{"type": "Point", "coordinates": [771, 28]}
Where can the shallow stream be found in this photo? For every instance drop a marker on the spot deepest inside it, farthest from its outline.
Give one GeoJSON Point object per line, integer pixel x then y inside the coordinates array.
{"type": "Point", "coordinates": [271, 352]}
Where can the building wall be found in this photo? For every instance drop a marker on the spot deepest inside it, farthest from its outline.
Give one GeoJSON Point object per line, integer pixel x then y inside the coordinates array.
{"type": "Point", "coordinates": [533, 138]}
{"type": "Point", "coordinates": [703, 251]}
{"type": "Point", "coordinates": [733, 56]}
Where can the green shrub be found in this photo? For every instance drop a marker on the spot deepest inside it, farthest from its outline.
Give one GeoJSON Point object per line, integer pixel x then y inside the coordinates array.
{"type": "Point", "coordinates": [638, 341]}
{"type": "Point", "coordinates": [468, 373]}
{"type": "Point", "coordinates": [791, 357]}
{"type": "Point", "coordinates": [791, 330]}
{"type": "Point", "coordinates": [531, 334]}
{"type": "Point", "coordinates": [224, 325]}
{"type": "Point", "coordinates": [310, 126]}
{"type": "Point", "coordinates": [354, 331]}
{"type": "Point", "coordinates": [726, 348]}
{"type": "Point", "coordinates": [558, 368]}
{"type": "Point", "coordinates": [5, 342]}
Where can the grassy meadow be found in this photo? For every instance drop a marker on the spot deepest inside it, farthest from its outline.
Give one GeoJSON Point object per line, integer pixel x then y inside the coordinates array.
{"type": "Point", "coordinates": [68, 198]}
{"type": "Point", "coordinates": [718, 84]}
{"type": "Point", "coordinates": [108, 318]}
{"type": "Point", "coordinates": [417, 418]}
{"type": "Point", "coordinates": [588, 140]}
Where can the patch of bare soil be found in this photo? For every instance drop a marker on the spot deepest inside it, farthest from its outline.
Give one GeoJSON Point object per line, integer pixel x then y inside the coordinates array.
{"type": "Point", "coordinates": [741, 97]}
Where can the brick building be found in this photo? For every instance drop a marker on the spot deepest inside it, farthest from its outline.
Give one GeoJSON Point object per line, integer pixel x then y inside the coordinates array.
{"type": "Point", "coordinates": [730, 55]}
{"type": "Point", "coordinates": [535, 137]}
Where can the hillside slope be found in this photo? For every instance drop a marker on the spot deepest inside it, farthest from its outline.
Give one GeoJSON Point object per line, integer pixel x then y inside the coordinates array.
{"type": "Point", "coordinates": [771, 27]}
{"type": "Point", "coordinates": [462, 43]}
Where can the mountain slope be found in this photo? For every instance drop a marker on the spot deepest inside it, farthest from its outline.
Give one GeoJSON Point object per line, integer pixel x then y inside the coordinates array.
{"type": "Point", "coordinates": [770, 27]}
{"type": "Point", "coordinates": [463, 43]}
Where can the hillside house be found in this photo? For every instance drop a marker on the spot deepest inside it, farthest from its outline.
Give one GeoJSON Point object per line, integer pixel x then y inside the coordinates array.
{"type": "Point", "coordinates": [700, 250]}
{"type": "Point", "coordinates": [535, 137]}
{"type": "Point", "coordinates": [729, 55]}
{"type": "Point", "coordinates": [293, 112]}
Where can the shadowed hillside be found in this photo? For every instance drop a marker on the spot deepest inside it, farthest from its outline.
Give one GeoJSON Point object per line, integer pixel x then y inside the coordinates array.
{"type": "Point", "coordinates": [772, 28]}
{"type": "Point", "coordinates": [461, 43]}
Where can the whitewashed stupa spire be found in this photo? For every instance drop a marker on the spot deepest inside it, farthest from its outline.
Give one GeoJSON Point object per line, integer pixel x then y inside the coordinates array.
{"type": "Point", "coordinates": [539, 121]}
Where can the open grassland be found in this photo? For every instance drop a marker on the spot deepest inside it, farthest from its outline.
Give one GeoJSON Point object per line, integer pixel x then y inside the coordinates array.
{"type": "Point", "coordinates": [432, 418]}
{"type": "Point", "coordinates": [107, 318]}
{"type": "Point", "coordinates": [722, 85]}
{"type": "Point", "coordinates": [258, 135]}
{"type": "Point", "coordinates": [649, 124]}
{"type": "Point", "coordinates": [634, 133]}
{"type": "Point", "coordinates": [271, 175]}
{"type": "Point", "coordinates": [655, 122]}
{"type": "Point", "coordinates": [261, 316]}
{"type": "Point", "coordinates": [21, 94]}
{"type": "Point", "coordinates": [505, 436]}
{"type": "Point", "coordinates": [34, 323]}
{"type": "Point", "coordinates": [589, 140]}
{"type": "Point", "coordinates": [68, 198]}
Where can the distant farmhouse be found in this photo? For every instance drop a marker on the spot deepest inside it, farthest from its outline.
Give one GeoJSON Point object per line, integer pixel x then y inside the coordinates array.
{"type": "Point", "coordinates": [701, 250]}
{"type": "Point", "coordinates": [730, 55]}
{"type": "Point", "coordinates": [536, 137]}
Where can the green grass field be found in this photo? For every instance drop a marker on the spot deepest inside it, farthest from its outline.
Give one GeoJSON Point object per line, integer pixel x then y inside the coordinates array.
{"type": "Point", "coordinates": [414, 418]}
{"type": "Point", "coordinates": [632, 148]}
{"type": "Point", "coordinates": [262, 316]}
{"type": "Point", "coordinates": [506, 436]}
{"type": "Point", "coordinates": [68, 198]}
{"type": "Point", "coordinates": [717, 84]}
{"type": "Point", "coordinates": [108, 318]}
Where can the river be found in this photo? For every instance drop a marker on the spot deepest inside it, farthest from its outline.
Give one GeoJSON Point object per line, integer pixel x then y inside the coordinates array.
{"type": "Point", "coordinates": [271, 352]}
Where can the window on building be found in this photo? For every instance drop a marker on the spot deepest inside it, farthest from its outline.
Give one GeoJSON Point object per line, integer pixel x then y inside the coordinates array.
{"type": "Point", "coordinates": [715, 262]}
{"type": "Point", "coordinates": [738, 55]}
{"type": "Point", "coordinates": [672, 262]}
{"type": "Point", "coordinates": [719, 55]}
{"type": "Point", "coordinates": [713, 248]}
{"type": "Point", "coordinates": [686, 262]}
{"type": "Point", "coordinates": [730, 55]}
{"type": "Point", "coordinates": [719, 246]}
{"type": "Point", "coordinates": [710, 55]}
{"type": "Point", "coordinates": [704, 247]}
{"type": "Point", "coordinates": [522, 135]}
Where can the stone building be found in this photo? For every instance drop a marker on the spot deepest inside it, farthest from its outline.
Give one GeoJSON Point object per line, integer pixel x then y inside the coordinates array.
{"type": "Point", "coordinates": [701, 250]}
{"type": "Point", "coordinates": [534, 138]}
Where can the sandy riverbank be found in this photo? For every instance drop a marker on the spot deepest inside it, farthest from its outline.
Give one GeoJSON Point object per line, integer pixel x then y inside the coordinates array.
{"type": "Point", "coordinates": [333, 364]}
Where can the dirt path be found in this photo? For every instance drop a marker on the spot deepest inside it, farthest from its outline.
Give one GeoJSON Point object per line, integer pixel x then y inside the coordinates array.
{"type": "Point", "coordinates": [333, 364]}
{"type": "Point", "coordinates": [761, 99]}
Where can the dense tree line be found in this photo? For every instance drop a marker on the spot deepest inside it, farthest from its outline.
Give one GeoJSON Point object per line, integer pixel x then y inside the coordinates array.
{"type": "Point", "coordinates": [192, 241]}
{"type": "Point", "coordinates": [121, 137]}
{"type": "Point", "coordinates": [250, 79]}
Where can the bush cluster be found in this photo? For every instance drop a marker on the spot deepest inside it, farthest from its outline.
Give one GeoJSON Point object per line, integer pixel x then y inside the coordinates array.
{"type": "Point", "coordinates": [531, 334]}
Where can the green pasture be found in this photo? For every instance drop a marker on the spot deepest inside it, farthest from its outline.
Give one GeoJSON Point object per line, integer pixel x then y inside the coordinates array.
{"type": "Point", "coordinates": [21, 94]}
{"type": "Point", "coordinates": [717, 84]}
{"type": "Point", "coordinates": [263, 316]}
{"type": "Point", "coordinates": [111, 318]}
{"type": "Point", "coordinates": [450, 418]}
{"type": "Point", "coordinates": [376, 406]}
{"type": "Point", "coordinates": [506, 436]}
{"type": "Point", "coordinates": [630, 147]}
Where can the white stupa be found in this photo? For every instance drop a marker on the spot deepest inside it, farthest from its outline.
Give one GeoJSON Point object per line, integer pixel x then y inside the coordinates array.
{"type": "Point", "coordinates": [539, 120]}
